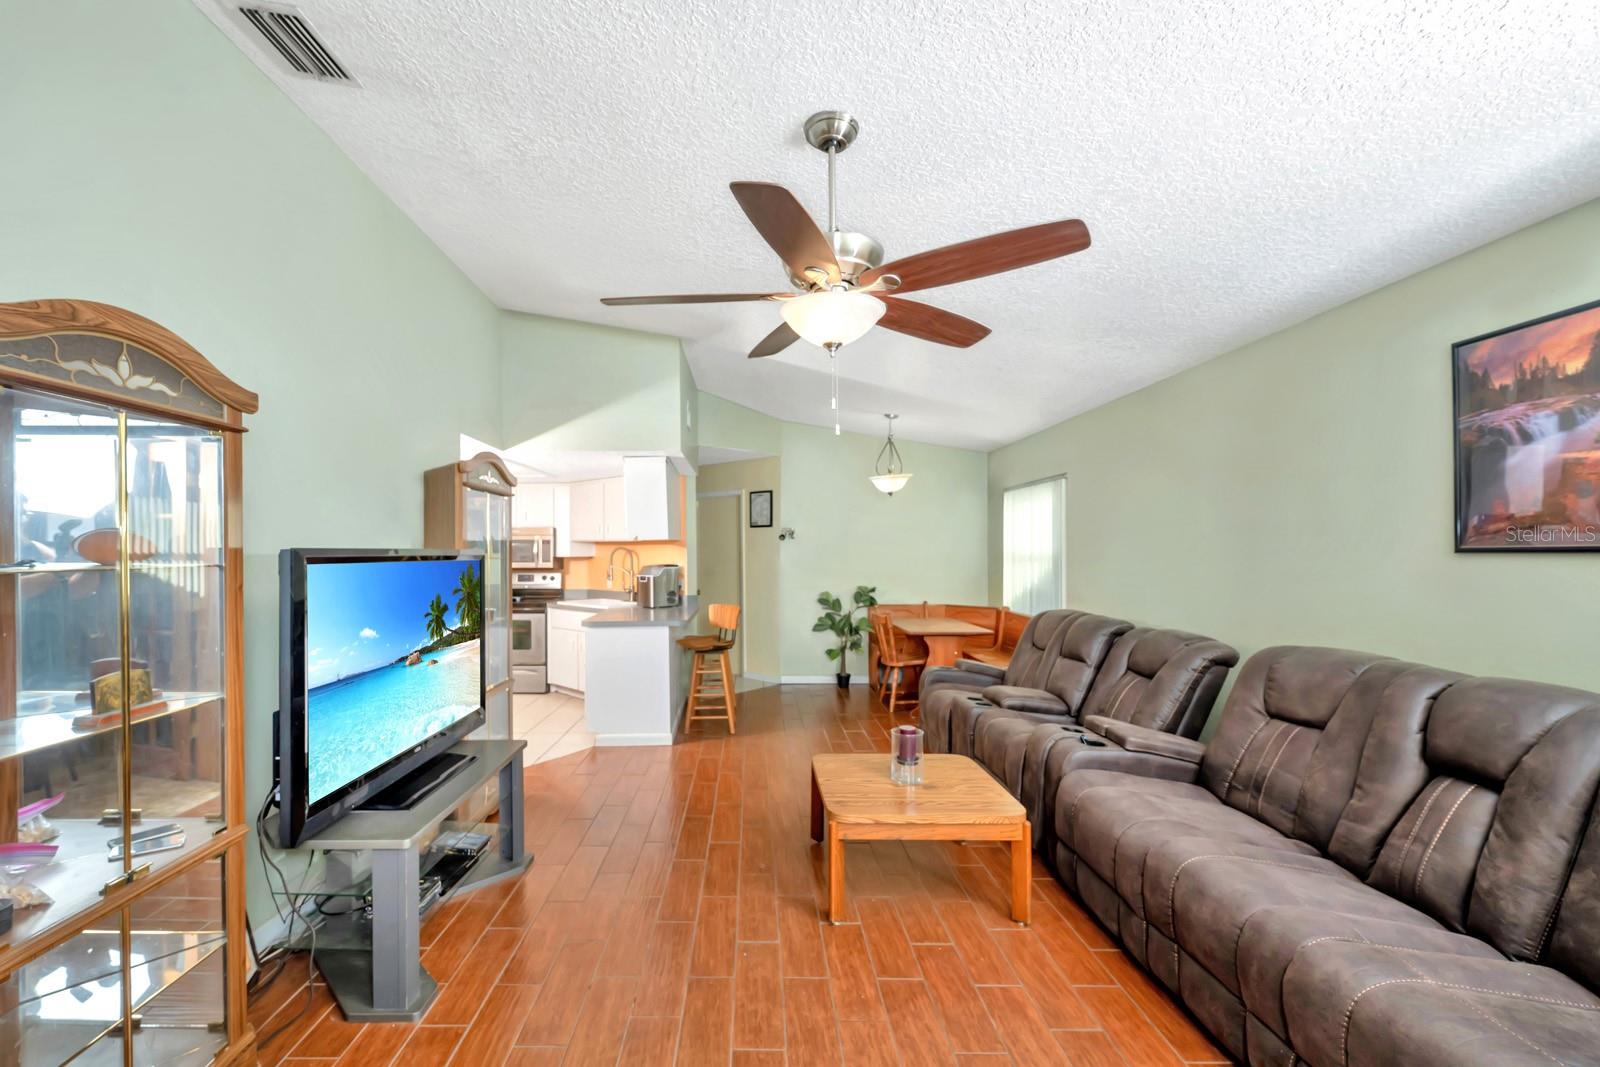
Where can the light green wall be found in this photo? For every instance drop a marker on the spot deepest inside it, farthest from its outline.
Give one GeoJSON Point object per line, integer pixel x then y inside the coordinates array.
{"type": "Point", "coordinates": [155, 168]}
{"type": "Point", "coordinates": [927, 542]}
{"type": "Point", "coordinates": [724, 424]}
{"type": "Point", "coordinates": [759, 623]}
{"type": "Point", "coordinates": [1298, 490]}
{"type": "Point", "coordinates": [573, 385]}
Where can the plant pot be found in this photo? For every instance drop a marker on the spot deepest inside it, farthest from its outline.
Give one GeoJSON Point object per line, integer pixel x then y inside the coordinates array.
{"type": "Point", "coordinates": [843, 680]}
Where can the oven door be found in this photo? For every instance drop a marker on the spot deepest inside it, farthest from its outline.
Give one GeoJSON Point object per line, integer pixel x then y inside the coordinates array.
{"type": "Point", "coordinates": [527, 639]}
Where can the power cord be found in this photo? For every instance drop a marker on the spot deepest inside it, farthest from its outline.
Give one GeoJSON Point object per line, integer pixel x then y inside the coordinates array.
{"type": "Point", "coordinates": [280, 952]}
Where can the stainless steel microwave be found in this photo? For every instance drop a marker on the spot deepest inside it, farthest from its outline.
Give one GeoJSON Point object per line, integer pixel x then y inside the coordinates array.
{"type": "Point", "coordinates": [533, 548]}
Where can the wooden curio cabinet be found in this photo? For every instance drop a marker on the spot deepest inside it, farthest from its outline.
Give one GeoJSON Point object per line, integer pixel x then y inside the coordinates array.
{"type": "Point", "coordinates": [122, 822]}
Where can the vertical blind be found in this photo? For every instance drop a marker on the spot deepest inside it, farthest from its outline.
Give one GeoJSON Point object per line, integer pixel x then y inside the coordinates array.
{"type": "Point", "coordinates": [1035, 561]}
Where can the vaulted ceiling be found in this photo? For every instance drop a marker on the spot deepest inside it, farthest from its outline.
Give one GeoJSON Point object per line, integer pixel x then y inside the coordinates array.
{"type": "Point", "coordinates": [1241, 166]}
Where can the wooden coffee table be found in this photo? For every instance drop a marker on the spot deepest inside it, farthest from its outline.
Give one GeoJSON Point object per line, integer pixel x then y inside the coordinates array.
{"type": "Point", "coordinates": [852, 799]}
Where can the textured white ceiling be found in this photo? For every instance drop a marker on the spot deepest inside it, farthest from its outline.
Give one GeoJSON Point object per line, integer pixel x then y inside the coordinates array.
{"type": "Point", "coordinates": [1241, 165]}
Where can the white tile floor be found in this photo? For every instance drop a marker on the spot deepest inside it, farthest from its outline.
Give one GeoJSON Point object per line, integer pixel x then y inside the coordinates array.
{"type": "Point", "coordinates": [551, 723]}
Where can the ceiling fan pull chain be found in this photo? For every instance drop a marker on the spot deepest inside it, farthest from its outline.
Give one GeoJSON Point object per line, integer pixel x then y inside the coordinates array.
{"type": "Point", "coordinates": [833, 370]}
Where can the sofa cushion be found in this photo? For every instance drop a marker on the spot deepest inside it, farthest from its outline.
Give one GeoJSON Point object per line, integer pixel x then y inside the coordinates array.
{"type": "Point", "coordinates": [1111, 821]}
{"type": "Point", "coordinates": [1325, 745]}
{"type": "Point", "coordinates": [1273, 936]}
{"type": "Point", "coordinates": [1432, 853]}
{"type": "Point", "coordinates": [1203, 894]}
{"type": "Point", "coordinates": [1164, 679]}
{"type": "Point", "coordinates": [1071, 671]}
{"type": "Point", "coordinates": [1369, 1005]}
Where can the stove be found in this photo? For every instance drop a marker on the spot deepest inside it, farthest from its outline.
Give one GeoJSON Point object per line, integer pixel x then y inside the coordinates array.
{"type": "Point", "coordinates": [531, 593]}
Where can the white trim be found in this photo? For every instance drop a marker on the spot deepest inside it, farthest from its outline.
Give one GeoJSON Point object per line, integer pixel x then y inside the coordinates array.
{"type": "Point", "coordinates": [819, 679]}
{"type": "Point", "coordinates": [762, 678]}
{"type": "Point", "coordinates": [616, 740]}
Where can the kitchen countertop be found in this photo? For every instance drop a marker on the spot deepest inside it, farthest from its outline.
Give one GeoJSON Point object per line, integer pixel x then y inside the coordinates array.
{"type": "Point", "coordinates": [629, 614]}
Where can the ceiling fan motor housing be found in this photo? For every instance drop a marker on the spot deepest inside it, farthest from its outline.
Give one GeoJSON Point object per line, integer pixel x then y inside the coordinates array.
{"type": "Point", "coordinates": [856, 253]}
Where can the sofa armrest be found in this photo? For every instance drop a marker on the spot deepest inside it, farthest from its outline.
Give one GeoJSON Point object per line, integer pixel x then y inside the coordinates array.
{"type": "Point", "coordinates": [1143, 739]}
{"type": "Point", "coordinates": [1020, 698]}
{"type": "Point", "coordinates": [974, 666]}
{"type": "Point", "coordinates": [951, 676]}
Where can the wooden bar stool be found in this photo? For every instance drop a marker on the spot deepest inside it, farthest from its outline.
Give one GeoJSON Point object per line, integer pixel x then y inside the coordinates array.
{"type": "Point", "coordinates": [718, 695]}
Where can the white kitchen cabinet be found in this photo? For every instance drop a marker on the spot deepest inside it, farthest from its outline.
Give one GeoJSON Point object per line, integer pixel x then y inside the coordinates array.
{"type": "Point", "coordinates": [567, 546]}
{"type": "Point", "coordinates": [589, 511]}
{"type": "Point", "coordinates": [534, 505]}
{"type": "Point", "coordinates": [564, 648]}
{"type": "Point", "coordinates": [650, 502]}
{"type": "Point", "coordinates": [616, 511]}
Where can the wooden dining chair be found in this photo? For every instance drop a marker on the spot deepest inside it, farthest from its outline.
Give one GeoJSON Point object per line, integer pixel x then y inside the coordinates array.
{"type": "Point", "coordinates": [896, 660]}
{"type": "Point", "coordinates": [711, 661]}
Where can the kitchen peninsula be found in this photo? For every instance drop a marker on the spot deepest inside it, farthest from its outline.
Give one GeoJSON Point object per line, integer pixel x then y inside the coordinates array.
{"type": "Point", "coordinates": [635, 677]}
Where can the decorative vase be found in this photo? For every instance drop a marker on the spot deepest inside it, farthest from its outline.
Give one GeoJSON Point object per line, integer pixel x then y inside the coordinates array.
{"type": "Point", "coordinates": [905, 755]}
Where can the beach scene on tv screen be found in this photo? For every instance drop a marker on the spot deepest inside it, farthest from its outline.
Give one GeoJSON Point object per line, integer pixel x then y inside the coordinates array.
{"type": "Point", "coordinates": [392, 658]}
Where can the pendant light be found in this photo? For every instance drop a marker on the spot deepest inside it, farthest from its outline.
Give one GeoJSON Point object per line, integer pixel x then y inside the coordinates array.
{"type": "Point", "coordinates": [890, 474]}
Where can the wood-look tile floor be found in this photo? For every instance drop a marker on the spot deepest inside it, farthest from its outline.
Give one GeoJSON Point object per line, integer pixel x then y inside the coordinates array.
{"type": "Point", "coordinates": [671, 916]}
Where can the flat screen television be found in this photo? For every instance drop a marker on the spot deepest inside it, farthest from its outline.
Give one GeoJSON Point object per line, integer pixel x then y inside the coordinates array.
{"type": "Point", "coordinates": [381, 671]}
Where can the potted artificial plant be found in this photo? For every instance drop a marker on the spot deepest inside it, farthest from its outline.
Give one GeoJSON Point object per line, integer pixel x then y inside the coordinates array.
{"type": "Point", "coordinates": [848, 627]}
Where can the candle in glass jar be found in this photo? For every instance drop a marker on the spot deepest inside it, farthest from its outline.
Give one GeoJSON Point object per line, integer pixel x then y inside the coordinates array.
{"type": "Point", "coordinates": [906, 737]}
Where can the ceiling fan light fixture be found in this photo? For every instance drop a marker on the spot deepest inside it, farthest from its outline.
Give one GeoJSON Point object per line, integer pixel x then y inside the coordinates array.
{"type": "Point", "coordinates": [889, 472]}
{"type": "Point", "coordinates": [832, 318]}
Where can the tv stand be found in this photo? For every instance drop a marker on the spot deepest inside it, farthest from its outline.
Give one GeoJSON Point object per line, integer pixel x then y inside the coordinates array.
{"type": "Point", "coordinates": [407, 791]}
{"type": "Point", "coordinates": [373, 965]}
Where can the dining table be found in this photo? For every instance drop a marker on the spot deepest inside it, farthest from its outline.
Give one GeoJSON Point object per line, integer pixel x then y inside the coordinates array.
{"type": "Point", "coordinates": [942, 635]}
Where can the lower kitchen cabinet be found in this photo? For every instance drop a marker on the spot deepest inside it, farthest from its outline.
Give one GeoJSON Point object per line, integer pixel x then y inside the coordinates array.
{"type": "Point", "coordinates": [565, 649]}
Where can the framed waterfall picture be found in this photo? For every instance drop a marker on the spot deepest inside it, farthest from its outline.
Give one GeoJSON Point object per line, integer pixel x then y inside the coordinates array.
{"type": "Point", "coordinates": [1527, 436]}
{"type": "Point", "coordinates": [760, 508]}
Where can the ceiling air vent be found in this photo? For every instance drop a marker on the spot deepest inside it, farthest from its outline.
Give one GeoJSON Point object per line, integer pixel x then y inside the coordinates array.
{"type": "Point", "coordinates": [292, 40]}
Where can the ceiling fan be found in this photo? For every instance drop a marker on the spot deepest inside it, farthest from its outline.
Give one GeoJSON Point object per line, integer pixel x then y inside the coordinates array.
{"type": "Point", "coordinates": [842, 286]}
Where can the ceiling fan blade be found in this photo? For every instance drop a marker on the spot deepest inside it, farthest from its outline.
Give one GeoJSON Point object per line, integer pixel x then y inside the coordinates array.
{"type": "Point", "coordinates": [930, 323]}
{"type": "Point", "coordinates": [691, 298]}
{"type": "Point", "coordinates": [776, 341]}
{"type": "Point", "coordinates": [983, 256]}
{"type": "Point", "coordinates": [784, 224]}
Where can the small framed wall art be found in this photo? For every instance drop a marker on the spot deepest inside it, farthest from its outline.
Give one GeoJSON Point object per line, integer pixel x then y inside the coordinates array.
{"type": "Point", "coordinates": [760, 508]}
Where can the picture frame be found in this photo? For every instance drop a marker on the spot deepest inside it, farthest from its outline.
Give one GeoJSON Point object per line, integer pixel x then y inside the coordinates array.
{"type": "Point", "coordinates": [760, 509]}
{"type": "Point", "coordinates": [1525, 428]}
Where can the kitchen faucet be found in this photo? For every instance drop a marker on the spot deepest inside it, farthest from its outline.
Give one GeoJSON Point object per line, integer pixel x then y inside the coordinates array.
{"type": "Point", "coordinates": [630, 567]}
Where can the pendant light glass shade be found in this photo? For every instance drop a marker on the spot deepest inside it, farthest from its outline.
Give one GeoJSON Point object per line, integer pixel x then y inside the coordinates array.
{"type": "Point", "coordinates": [889, 483]}
{"type": "Point", "coordinates": [890, 474]}
{"type": "Point", "coordinates": [836, 317]}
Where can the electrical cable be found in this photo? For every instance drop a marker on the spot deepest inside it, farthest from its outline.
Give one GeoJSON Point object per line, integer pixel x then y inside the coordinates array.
{"type": "Point", "coordinates": [280, 953]}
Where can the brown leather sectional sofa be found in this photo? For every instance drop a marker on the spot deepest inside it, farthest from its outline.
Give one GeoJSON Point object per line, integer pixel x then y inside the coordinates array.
{"type": "Point", "coordinates": [1370, 862]}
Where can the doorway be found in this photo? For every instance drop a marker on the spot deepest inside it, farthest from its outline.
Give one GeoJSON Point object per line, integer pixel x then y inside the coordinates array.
{"type": "Point", "coordinates": [720, 565]}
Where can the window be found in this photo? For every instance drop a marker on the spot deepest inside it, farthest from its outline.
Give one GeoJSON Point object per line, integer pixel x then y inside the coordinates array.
{"type": "Point", "coordinates": [1035, 539]}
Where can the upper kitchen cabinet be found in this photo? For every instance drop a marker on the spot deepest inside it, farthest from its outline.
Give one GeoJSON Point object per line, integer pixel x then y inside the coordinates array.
{"type": "Point", "coordinates": [568, 545]}
{"type": "Point", "coordinates": [616, 514]}
{"type": "Point", "coordinates": [589, 511]}
{"type": "Point", "coordinates": [650, 499]}
{"type": "Point", "coordinates": [533, 506]}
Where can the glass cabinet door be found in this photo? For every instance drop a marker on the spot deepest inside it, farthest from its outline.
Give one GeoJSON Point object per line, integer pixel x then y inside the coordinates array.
{"type": "Point", "coordinates": [176, 631]}
{"type": "Point", "coordinates": [496, 588]}
{"type": "Point", "coordinates": [61, 620]}
{"type": "Point", "coordinates": [158, 964]}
